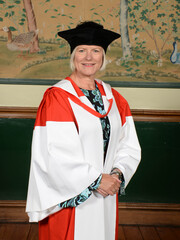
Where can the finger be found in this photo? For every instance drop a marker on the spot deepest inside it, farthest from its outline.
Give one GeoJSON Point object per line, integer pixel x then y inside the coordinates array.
{"type": "Point", "coordinates": [111, 193]}
{"type": "Point", "coordinates": [116, 177]}
{"type": "Point", "coordinates": [103, 193]}
{"type": "Point", "coordinates": [114, 191]}
{"type": "Point", "coordinates": [116, 181]}
{"type": "Point", "coordinates": [115, 186]}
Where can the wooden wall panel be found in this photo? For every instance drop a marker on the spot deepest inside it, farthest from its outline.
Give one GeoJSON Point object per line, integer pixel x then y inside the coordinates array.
{"type": "Point", "coordinates": [149, 214]}
{"type": "Point", "coordinates": [138, 114]}
{"type": "Point", "coordinates": [129, 213]}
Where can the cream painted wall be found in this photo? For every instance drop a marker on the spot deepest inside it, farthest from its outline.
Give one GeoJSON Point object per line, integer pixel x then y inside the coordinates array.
{"type": "Point", "coordinates": [152, 98]}
{"type": "Point", "coordinates": [138, 98]}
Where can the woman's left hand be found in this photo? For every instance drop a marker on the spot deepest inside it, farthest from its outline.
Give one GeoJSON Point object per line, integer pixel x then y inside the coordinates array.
{"type": "Point", "coordinates": [109, 185]}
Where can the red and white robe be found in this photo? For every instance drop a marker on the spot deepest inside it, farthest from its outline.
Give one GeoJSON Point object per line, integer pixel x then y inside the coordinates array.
{"type": "Point", "coordinates": [67, 157]}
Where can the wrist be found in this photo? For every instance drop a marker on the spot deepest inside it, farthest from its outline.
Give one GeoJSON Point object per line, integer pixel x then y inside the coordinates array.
{"type": "Point", "coordinates": [117, 172]}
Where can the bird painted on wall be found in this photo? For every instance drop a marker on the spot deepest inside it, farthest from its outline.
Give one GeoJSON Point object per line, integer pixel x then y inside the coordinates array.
{"type": "Point", "coordinates": [175, 56]}
{"type": "Point", "coordinates": [22, 42]}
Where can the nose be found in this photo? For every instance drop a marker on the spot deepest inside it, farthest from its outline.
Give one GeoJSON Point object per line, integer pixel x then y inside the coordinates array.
{"type": "Point", "coordinates": [88, 55]}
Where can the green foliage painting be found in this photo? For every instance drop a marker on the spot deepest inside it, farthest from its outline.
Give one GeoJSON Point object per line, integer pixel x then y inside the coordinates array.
{"type": "Point", "coordinates": [148, 51]}
{"type": "Point", "coordinates": [12, 11]}
{"type": "Point", "coordinates": [159, 19]}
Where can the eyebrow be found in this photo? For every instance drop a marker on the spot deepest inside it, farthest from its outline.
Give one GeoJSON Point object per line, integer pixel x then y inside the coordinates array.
{"type": "Point", "coordinates": [91, 48]}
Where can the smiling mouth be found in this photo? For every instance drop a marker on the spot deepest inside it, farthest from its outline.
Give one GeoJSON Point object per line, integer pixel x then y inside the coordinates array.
{"type": "Point", "coordinates": [88, 64]}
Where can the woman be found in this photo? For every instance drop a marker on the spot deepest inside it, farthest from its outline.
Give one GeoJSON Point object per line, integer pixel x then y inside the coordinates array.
{"type": "Point", "coordinates": [84, 150]}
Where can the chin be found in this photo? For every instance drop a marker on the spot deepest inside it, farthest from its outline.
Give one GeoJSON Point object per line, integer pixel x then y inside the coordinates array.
{"type": "Point", "coordinates": [90, 71]}
{"type": "Point", "coordinates": [89, 74]}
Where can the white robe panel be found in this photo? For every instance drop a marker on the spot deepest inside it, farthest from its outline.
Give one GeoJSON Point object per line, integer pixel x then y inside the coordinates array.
{"type": "Point", "coordinates": [97, 213]}
{"type": "Point", "coordinates": [128, 154]}
{"type": "Point", "coordinates": [55, 169]}
{"type": "Point", "coordinates": [96, 219]}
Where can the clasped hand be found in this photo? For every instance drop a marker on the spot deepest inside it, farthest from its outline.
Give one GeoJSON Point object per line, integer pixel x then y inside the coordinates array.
{"type": "Point", "coordinates": [109, 185]}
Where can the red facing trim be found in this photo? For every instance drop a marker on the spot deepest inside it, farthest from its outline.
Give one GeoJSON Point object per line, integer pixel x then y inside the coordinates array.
{"type": "Point", "coordinates": [77, 89]}
{"type": "Point", "coordinates": [117, 219]}
{"type": "Point", "coordinates": [122, 105]}
{"type": "Point", "coordinates": [80, 93]}
{"type": "Point", "coordinates": [55, 106]}
{"type": "Point", "coordinates": [90, 110]}
{"type": "Point", "coordinates": [101, 89]}
{"type": "Point", "coordinates": [58, 226]}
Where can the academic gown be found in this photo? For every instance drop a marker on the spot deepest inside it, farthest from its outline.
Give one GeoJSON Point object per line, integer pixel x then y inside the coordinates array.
{"type": "Point", "coordinates": [67, 157]}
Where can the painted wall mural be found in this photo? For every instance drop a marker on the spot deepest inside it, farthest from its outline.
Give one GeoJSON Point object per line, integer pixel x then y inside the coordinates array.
{"type": "Point", "coordinates": [148, 51]}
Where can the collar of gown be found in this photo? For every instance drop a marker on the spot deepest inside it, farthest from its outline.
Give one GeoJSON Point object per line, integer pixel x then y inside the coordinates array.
{"type": "Point", "coordinates": [79, 93]}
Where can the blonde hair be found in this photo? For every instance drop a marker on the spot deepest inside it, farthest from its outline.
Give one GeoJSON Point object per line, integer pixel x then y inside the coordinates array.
{"type": "Point", "coordinates": [103, 66]}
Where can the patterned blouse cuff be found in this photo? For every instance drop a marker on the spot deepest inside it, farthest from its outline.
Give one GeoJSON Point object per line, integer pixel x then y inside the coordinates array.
{"type": "Point", "coordinates": [122, 187]}
{"type": "Point", "coordinates": [83, 196]}
{"type": "Point", "coordinates": [95, 184]}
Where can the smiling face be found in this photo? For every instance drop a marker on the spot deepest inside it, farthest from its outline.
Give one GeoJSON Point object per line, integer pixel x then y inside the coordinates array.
{"type": "Point", "coordinates": [88, 60]}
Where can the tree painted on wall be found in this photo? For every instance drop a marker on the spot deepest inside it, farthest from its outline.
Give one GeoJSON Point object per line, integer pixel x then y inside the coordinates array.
{"type": "Point", "coordinates": [159, 19]}
{"type": "Point", "coordinates": [19, 16]}
{"type": "Point", "coordinates": [31, 20]}
{"type": "Point", "coordinates": [119, 13]}
{"type": "Point", "coordinates": [125, 42]}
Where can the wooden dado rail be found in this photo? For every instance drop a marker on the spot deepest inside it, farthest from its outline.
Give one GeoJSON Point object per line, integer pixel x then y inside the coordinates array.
{"type": "Point", "coordinates": [139, 115]}
{"type": "Point", "coordinates": [129, 213]}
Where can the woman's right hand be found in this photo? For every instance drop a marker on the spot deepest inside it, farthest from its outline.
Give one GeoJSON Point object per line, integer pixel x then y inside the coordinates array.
{"type": "Point", "coordinates": [109, 185]}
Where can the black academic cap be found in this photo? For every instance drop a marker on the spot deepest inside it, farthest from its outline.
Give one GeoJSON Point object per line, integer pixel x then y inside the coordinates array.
{"type": "Point", "coordinates": [89, 33]}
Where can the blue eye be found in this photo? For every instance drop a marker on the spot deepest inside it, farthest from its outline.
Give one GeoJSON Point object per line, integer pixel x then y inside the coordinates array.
{"type": "Point", "coordinates": [96, 50]}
